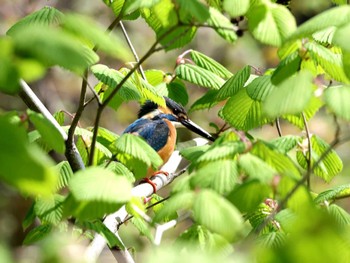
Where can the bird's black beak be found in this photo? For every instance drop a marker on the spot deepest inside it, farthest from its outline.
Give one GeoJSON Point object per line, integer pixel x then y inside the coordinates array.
{"type": "Point", "coordinates": [197, 129]}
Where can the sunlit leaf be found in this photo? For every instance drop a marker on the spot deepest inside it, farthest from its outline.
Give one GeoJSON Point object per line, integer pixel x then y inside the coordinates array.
{"type": "Point", "coordinates": [333, 194]}
{"type": "Point", "coordinates": [236, 8]}
{"type": "Point", "coordinates": [260, 88]}
{"type": "Point", "coordinates": [37, 234]}
{"type": "Point", "coordinates": [222, 25]}
{"type": "Point", "coordinates": [65, 173]}
{"type": "Point", "coordinates": [195, 8]}
{"type": "Point", "coordinates": [199, 76]}
{"type": "Point", "coordinates": [287, 67]}
{"type": "Point", "coordinates": [210, 64]}
{"type": "Point", "coordinates": [337, 99]}
{"type": "Point", "coordinates": [286, 143]}
{"type": "Point", "coordinates": [178, 92]}
{"type": "Point", "coordinates": [341, 216]}
{"type": "Point", "coordinates": [50, 209]}
{"type": "Point", "coordinates": [207, 101]}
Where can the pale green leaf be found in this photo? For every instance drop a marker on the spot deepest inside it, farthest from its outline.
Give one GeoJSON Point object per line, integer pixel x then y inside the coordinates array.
{"type": "Point", "coordinates": [242, 112]}
{"type": "Point", "coordinates": [337, 17]}
{"type": "Point", "coordinates": [210, 64]}
{"type": "Point", "coordinates": [325, 36]}
{"type": "Point", "coordinates": [234, 84]}
{"type": "Point", "coordinates": [220, 151]}
{"type": "Point", "coordinates": [47, 16]}
{"type": "Point", "coordinates": [286, 143]}
{"type": "Point", "coordinates": [247, 196]}
{"type": "Point", "coordinates": [207, 101]}
{"type": "Point", "coordinates": [65, 173]}
{"type": "Point", "coordinates": [222, 25]}
{"type": "Point", "coordinates": [271, 23]}
{"type": "Point", "coordinates": [337, 99]}
{"type": "Point", "coordinates": [329, 61]}
{"type": "Point", "coordinates": [216, 213]}
{"type": "Point", "coordinates": [286, 68]}
{"type": "Point", "coordinates": [272, 239]}
{"type": "Point", "coordinates": [195, 8]}
{"type": "Point", "coordinates": [256, 168]}
{"type": "Point", "coordinates": [291, 96]}
{"type": "Point", "coordinates": [48, 131]}
{"type": "Point", "coordinates": [221, 180]}
{"type": "Point", "coordinates": [236, 8]}
{"type": "Point", "coordinates": [260, 88]}
{"type": "Point", "coordinates": [340, 215]}
{"type": "Point", "coordinates": [199, 76]}
{"type": "Point", "coordinates": [155, 77]}
{"type": "Point", "coordinates": [331, 164]}
{"type": "Point", "coordinates": [49, 209]}
{"type": "Point", "coordinates": [341, 35]}
{"type": "Point", "coordinates": [334, 193]}
{"type": "Point", "coordinates": [96, 191]}
{"type": "Point", "coordinates": [37, 234]}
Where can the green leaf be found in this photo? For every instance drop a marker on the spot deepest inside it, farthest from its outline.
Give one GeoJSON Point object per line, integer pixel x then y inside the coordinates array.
{"type": "Point", "coordinates": [194, 8]}
{"type": "Point", "coordinates": [210, 64]}
{"type": "Point", "coordinates": [207, 101]}
{"type": "Point", "coordinates": [53, 46]}
{"type": "Point", "coordinates": [59, 117]}
{"type": "Point", "coordinates": [272, 239]}
{"type": "Point", "coordinates": [50, 209]}
{"type": "Point", "coordinates": [199, 76]}
{"type": "Point", "coordinates": [48, 131]}
{"type": "Point", "coordinates": [65, 173]}
{"type": "Point", "coordinates": [260, 88]}
{"type": "Point", "coordinates": [131, 6]}
{"type": "Point", "coordinates": [247, 196]}
{"type": "Point", "coordinates": [337, 100]}
{"type": "Point", "coordinates": [256, 168]}
{"type": "Point", "coordinates": [178, 92]}
{"type": "Point", "coordinates": [276, 159]}
{"type": "Point", "coordinates": [236, 8]}
{"type": "Point", "coordinates": [216, 213]}
{"type": "Point", "coordinates": [96, 192]}
{"type": "Point", "coordinates": [37, 234]}
{"type": "Point", "coordinates": [9, 73]}
{"type": "Point", "coordinates": [222, 25]}
{"type": "Point", "coordinates": [89, 31]}
{"type": "Point", "coordinates": [336, 16]}
{"type": "Point", "coordinates": [325, 36]}
{"type": "Point", "coordinates": [340, 215]}
{"type": "Point", "coordinates": [341, 35]}
{"type": "Point", "coordinates": [334, 193]}
{"type": "Point", "coordinates": [22, 165]}
{"type": "Point", "coordinates": [270, 23]}
{"type": "Point", "coordinates": [221, 180]}
{"type": "Point", "coordinates": [225, 150]}
{"type": "Point", "coordinates": [29, 218]}
{"type": "Point", "coordinates": [116, 6]}
{"type": "Point", "coordinates": [107, 138]}
{"type": "Point", "coordinates": [329, 61]}
{"type": "Point", "coordinates": [155, 77]}
{"type": "Point", "coordinates": [137, 154]}
{"type": "Point", "coordinates": [291, 96]}
{"type": "Point", "coordinates": [331, 164]}
{"type": "Point", "coordinates": [142, 227]}
{"type": "Point", "coordinates": [242, 112]}
{"type": "Point", "coordinates": [47, 16]}
{"type": "Point", "coordinates": [234, 84]}
{"type": "Point", "coordinates": [286, 68]}
{"type": "Point", "coordinates": [286, 143]}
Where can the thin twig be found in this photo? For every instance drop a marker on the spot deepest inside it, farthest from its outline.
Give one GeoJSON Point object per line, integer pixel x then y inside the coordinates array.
{"type": "Point", "coordinates": [309, 145]}
{"type": "Point", "coordinates": [278, 126]}
{"type": "Point", "coordinates": [131, 46]}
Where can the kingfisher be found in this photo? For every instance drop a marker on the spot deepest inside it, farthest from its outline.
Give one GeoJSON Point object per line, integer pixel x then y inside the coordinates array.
{"type": "Point", "coordinates": [157, 125]}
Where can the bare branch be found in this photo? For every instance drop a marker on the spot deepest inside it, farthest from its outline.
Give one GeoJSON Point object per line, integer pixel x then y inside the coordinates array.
{"type": "Point", "coordinates": [309, 156]}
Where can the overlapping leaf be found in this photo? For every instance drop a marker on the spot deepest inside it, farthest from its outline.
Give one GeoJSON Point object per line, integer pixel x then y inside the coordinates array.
{"type": "Point", "coordinates": [337, 99]}
{"type": "Point", "coordinates": [222, 25]}
{"type": "Point", "coordinates": [333, 194]}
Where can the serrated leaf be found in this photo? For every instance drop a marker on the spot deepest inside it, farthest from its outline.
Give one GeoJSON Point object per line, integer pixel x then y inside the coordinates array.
{"type": "Point", "coordinates": [325, 36]}
{"type": "Point", "coordinates": [236, 8]}
{"type": "Point", "coordinates": [337, 100]}
{"type": "Point", "coordinates": [242, 112]}
{"type": "Point", "coordinates": [333, 194]}
{"type": "Point", "coordinates": [96, 192]}
{"type": "Point", "coordinates": [177, 92]}
{"type": "Point", "coordinates": [276, 159]}
{"type": "Point", "coordinates": [221, 180]}
{"type": "Point", "coordinates": [340, 215]}
{"type": "Point", "coordinates": [330, 165]}
{"type": "Point", "coordinates": [195, 8]}
{"type": "Point", "coordinates": [29, 218]}
{"type": "Point", "coordinates": [260, 88]}
{"type": "Point", "coordinates": [48, 131]}
{"type": "Point", "coordinates": [133, 151]}
{"type": "Point", "coordinates": [142, 227]}
{"type": "Point", "coordinates": [53, 46]}
{"type": "Point", "coordinates": [271, 23]}
{"type": "Point", "coordinates": [210, 64]}
{"type": "Point", "coordinates": [272, 239]}
{"type": "Point", "coordinates": [116, 6]}
{"type": "Point", "coordinates": [256, 168]}
{"type": "Point", "coordinates": [234, 84]}
{"type": "Point", "coordinates": [89, 31]}
{"type": "Point", "coordinates": [225, 150]}
{"type": "Point", "coordinates": [199, 76]}
{"type": "Point", "coordinates": [247, 196]}
{"type": "Point", "coordinates": [147, 91]}
{"type": "Point", "coordinates": [59, 117]}
{"type": "Point", "coordinates": [23, 165]}
{"type": "Point", "coordinates": [286, 68]}
{"type": "Point", "coordinates": [131, 6]}
{"type": "Point", "coordinates": [37, 234]}
{"type": "Point", "coordinates": [120, 169]}
{"type": "Point", "coordinates": [50, 209]}
{"type": "Point", "coordinates": [47, 16]}
{"type": "Point", "coordinates": [291, 96]}
{"type": "Point", "coordinates": [336, 16]}
{"type": "Point", "coordinates": [65, 173]}
{"type": "Point", "coordinates": [329, 61]}
{"type": "Point", "coordinates": [222, 25]}
{"type": "Point", "coordinates": [179, 201]}
{"type": "Point", "coordinates": [216, 213]}
{"type": "Point", "coordinates": [286, 143]}
{"type": "Point", "coordinates": [155, 77]}
{"type": "Point", "coordinates": [107, 138]}
{"type": "Point", "coordinates": [193, 153]}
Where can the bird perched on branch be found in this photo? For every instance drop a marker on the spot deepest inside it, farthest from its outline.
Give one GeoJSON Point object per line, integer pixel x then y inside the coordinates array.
{"type": "Point", "coordinates": [157, 125]}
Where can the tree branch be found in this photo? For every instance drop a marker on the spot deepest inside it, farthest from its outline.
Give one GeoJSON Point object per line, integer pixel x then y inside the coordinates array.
{"type": "Point", "coordinates": [309, 145]}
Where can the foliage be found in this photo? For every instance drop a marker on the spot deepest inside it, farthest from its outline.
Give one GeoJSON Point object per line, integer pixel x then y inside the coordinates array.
{"type": "Point", "coordinates": [241, 189]}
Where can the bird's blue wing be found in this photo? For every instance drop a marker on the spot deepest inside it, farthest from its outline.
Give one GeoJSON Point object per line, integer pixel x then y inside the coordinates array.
{"type": "Point", "coordinates": [154, 132]}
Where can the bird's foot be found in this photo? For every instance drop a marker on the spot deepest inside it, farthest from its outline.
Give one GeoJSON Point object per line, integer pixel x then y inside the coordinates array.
{"type": "Point", "coordinates": [149, 181]}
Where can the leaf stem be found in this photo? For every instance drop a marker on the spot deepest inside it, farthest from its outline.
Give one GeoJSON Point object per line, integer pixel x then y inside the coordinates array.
{"type": "Point", "coordinates": [309, 145]}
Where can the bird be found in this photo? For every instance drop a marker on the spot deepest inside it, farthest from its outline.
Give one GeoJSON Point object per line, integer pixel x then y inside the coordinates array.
{"type": "Point", "coordinates": [157, 126]}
